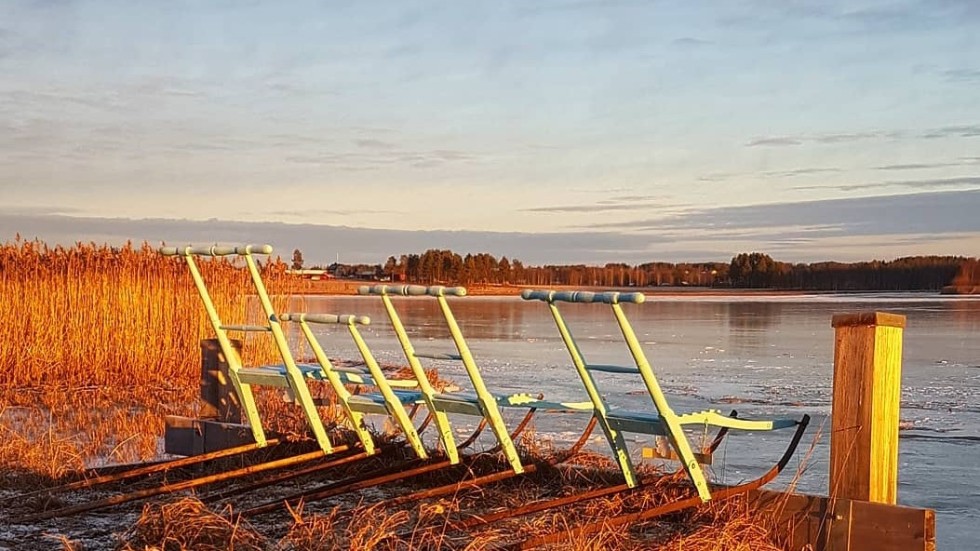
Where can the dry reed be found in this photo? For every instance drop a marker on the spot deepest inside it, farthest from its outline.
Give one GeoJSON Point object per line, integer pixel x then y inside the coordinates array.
{"type": "Point", "coordinates": [188, 524]}
{"type": "Point", "coordinates": [96, 316]}
{"type": "Point", "coordinates": [98, 344]}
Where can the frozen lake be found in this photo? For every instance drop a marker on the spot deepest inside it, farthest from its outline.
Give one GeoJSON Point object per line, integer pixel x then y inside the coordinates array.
{"type": "Point", "coordinates": [760, 355]}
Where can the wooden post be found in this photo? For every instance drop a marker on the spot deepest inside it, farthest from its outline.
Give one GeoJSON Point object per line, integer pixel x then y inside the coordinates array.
{"type": "Point", "coordinates": [217, 392]}
{"type": "Point", "coordinates": [867, 394]}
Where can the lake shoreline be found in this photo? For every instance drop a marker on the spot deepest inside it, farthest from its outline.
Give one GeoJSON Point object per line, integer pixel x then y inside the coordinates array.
{"type": "Point", "coordinates": [342, 287]}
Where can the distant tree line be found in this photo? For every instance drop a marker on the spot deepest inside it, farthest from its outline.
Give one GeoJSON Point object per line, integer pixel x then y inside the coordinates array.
{"type": "Point", "coordinates": [745, 270]}
{"type": "Point", "coordinates": [757, 270]}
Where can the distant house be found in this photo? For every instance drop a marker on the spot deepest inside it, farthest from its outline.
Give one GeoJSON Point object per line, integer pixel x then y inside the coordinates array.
{"type": "Point", "coordinates": [356, 271]}
{"type": "Point", "coordinates": [315, 275]}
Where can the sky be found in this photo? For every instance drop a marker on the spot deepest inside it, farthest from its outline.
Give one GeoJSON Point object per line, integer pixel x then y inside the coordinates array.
{"type": "Point", "coordinates": [553, 132]}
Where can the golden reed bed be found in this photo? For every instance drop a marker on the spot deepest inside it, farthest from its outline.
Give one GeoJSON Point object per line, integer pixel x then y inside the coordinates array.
{"type": "Point", "coordinates": [89, 315]}
{"type": "Point", "coordinates": [97, 345]}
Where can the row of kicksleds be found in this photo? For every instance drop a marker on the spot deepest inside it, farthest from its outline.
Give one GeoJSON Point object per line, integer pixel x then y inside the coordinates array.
{"type": "Point", "coordinates": [365, 389]}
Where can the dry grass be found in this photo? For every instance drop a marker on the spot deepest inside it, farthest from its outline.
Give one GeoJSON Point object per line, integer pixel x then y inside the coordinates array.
{"type": "Point", "coordinates": [435, 524]}
{"type": "Point", "coordinates": [189, 524]}
{"type": "Point", "coordinates": [95, 316]}
{"type": "Point", "coordinates": [98, 344]}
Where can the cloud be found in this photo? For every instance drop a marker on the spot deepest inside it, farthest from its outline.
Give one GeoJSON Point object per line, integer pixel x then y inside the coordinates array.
{"type": "Point", "coordinates": [688, 41]}
{"type": "Point", "coordinates": [963, 161]}
{"type": "Point", "coordinates": [954, 131]}
{"type": "Point", "coordinates": [854, 136]}
{"type": "Point", "coordinates": [38, 211]}
{"type": "Point", "coordinates": [854, 229]}
{"type": "Point", "coordinates": [774, 141]}
{"type": "Point", "coordinates": [937, 183]}
{"type": "Point", "coordinates": [930, 213]}
{"type": "Point", "coordinates": [822, 138]}
{"type": "Point", "coordinates": [962, 75]}
{"type": "Point", "coordinates": [306, 213]}
{"type": "Point", "coordinates": [369, 143]}
{"type": "Point", "coordinates": [613, 204]}
{"type": "Point", "coordinates": [322, 243]}
{"type": "Point", "coordinates": [374, 156]}
{"type": "Point", "coordinates": [961, 131]}
{"type": "Point", "coordinates": [600, 207]}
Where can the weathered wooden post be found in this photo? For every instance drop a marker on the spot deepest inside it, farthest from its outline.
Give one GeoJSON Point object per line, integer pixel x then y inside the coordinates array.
{"type": "Point", "coordinates": [217, 393]}
{"type": "Point", "coordinates": [865, 413]}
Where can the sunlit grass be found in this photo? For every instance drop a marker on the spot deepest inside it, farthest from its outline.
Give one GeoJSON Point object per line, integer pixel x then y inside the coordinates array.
{"type": "Point", "coordinates": [90, 315]}
{"type": "Point", "coordinates": [98, 344]}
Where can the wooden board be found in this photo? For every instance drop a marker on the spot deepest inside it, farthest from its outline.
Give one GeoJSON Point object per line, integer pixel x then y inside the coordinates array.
{"type": "Point", "coordinates": [847, 525]}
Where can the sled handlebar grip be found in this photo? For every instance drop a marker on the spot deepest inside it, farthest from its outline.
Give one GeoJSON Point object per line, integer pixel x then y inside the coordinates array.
{"type": "Point", "coordinates": [345, 319]}
{"type": "Point", "coordinates": [584, 297]}
{"type": "Point", "coordinates": [412, 290]}
{"type": "Point", "coordinates": [216, 250]}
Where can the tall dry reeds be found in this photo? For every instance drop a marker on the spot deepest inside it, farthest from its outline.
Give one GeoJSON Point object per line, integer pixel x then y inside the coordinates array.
{"type": "Point", "coordinates": [98, 344]}
{"type": "Point", "coordinates": [98, 316]}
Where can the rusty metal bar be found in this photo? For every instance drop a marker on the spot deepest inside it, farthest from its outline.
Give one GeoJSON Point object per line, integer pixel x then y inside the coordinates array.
{"type": "Point", "coordinates": [452, 489]}
{"type": "Point", "coordinates": [144, 470]}
{"type": "Point", "coordinates": [344, 487]}
{"type": "Point", "coordinates": [375, 478]}
{"type": "Point", "coordinates": [674, 506]}
{"type": "Point", "coordinates": [169, 488]}
{"type": "Point", "coordinates": [268, 481]}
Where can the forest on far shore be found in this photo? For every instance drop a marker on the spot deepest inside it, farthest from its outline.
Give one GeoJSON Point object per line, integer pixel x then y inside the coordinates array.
{"type": "Point", "coordinates": [745, 271]}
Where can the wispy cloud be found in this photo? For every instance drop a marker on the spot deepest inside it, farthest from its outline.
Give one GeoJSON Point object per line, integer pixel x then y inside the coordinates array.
{"type": "Point", "coordinates": [791, 173]}
{"type": "Point", "coordinates": [954, 131]}
{"type": "Point", "coordinates": [600, 207]}
{"type": "Point", "coordinates": [961, 131]}
{"type": "Point", "coordinates": [962, 161]}
{"type": "Point", "coordinates": [774, 141]}
{"type": "Point", "coordinates": [650, 203]}
{"type": "Point", "coordinates": [40, 211]}
{"type": "Point", "coordinates": [377, 155]}
{"type": "Point", "coordinates": [371, 143]}
{"type": "Point", "coordinates": [306, 214]}
{"type": "Point", "coordinates": [931, 184]}
{"type": "Point", "coordinates": [778, 141]}
{"type": "Point", "coordinates": [962, 75]}
{"type": "Point", "coordinates": [690, 41]}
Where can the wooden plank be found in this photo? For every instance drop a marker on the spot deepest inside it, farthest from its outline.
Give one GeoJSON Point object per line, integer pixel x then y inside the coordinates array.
{"type": "Point", "coordinates": [892, 527]}
{"type": "Point", "coordinates": [867, 392]}
{"type": "Point", "coordinates": [821, 524]}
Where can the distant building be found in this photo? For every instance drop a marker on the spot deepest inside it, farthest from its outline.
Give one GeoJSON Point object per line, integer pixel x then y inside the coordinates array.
{"type": "Point", "coordinates": [315, 275]}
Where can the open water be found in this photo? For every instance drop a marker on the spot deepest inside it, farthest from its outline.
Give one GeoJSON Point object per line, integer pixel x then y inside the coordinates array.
{"type": "Point", "coordinates": [765, 356]}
